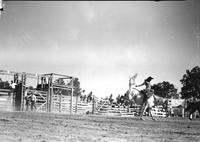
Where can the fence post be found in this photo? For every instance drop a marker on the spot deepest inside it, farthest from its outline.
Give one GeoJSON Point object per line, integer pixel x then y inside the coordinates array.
{"type": "Point", "coordinates": [76, 108]}
{"type": "Point", "coordinates": [50, 93]}
{"type": "Point", "coordinates": [72, 93]}
{"type": "Point", "coordinates": [93, 105]}
{"type": "Point", "coordinates": [23, 88]}
{"type": "Point", "coordinates": [60, 102]}
{"type": "Point", "coordinates": [21, 93]}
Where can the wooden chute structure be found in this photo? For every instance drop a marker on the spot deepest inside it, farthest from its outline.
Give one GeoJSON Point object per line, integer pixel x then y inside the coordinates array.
{"type": "Point", "coordinates": [1, 5]}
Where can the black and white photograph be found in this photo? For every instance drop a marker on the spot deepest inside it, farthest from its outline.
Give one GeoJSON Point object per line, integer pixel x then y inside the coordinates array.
{"type": "Point", "coordinates": [100, 71]}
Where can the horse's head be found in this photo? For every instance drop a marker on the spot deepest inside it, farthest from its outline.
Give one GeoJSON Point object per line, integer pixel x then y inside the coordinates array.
{"type": "Point", "coordinates": [132, 79]}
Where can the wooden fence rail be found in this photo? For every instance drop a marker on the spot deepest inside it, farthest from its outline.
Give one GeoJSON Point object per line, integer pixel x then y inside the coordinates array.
{"type": "Point", "coordinates": [6, 101]}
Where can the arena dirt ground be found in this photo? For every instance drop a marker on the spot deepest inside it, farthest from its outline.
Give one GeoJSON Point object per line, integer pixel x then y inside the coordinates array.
{"type": "Point", "coordinates": [46, 127]}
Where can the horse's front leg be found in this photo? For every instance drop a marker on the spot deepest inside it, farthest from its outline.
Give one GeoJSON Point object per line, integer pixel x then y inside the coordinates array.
{"type": "Point", "coordinates": [151, 115]}
{"type": "Point", "coordinates": [142, 111]}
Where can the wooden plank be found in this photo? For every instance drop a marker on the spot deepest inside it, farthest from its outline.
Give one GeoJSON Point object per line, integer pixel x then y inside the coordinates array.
{"type": "Point", "coordinates": [5, 90]}
{"type": "Point", "coordinates": [72, 96]}
{"type": "Point", "coordinates": [6, 104]}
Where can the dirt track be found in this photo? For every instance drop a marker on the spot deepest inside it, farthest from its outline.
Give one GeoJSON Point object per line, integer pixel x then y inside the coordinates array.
{"type": "Point", "coordinates": [44, 127]}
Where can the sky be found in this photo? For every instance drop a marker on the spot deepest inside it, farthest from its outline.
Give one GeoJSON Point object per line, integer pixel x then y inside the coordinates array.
{"type": "Point", "coordinates": [102, 43]}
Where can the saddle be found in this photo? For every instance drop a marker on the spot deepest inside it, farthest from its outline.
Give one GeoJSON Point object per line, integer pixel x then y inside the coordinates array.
{"type": "Point", "coordinates": [148, 95]}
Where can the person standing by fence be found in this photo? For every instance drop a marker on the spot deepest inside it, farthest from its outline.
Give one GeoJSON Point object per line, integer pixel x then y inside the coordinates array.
{"type": "Point", "coordinates": [27, 99]}
{"type": "Point", "coordinates": [33, 101]}
{"type": "Point", "coordinates": [12, 85]}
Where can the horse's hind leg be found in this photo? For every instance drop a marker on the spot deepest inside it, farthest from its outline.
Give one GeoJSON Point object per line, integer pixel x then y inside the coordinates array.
{"type": "Point", "coordinates": [190, 113]}
{"type": "Point", "coordinates": [190, 116]}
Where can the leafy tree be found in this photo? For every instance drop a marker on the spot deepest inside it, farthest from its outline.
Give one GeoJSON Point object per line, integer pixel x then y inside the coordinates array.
{"type": "Point", "coordinates": [165, 90]}
{"type": "Point", "coordinates": [126, 98]}
{"type": "Point", "coordinates": [111, 98]}
{"type": "Point", "coordinates": [126, 95]}
{"type": "Point", "coordinates": [76, 84]}
{"type": "Point", "coordinates": [191, 84]}
{"type": "Point", "coordinates": [122, 99]}
{"type": "Point", "coordinates": [118, 99]}
{"type": "Point", "coordinates": [77, 89]}
{"type": "Point", "coordinates": [89, 97]}
{"type": "Point", "coordinates": [106, 98]}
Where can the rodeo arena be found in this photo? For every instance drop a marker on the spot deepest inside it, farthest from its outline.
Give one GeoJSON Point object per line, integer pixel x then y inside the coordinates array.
{"type": "Point", "coordinates": [51, 112]}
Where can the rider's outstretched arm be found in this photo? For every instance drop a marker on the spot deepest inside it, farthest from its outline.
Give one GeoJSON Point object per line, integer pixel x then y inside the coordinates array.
{"type": "Point", "coordinates": [140, 84]}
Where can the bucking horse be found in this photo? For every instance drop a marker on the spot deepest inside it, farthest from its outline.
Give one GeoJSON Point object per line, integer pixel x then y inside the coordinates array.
{"type": "Point", "coordinates": [138, 97]}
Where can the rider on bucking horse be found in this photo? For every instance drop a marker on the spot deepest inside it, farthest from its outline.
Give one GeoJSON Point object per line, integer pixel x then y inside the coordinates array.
{"type": "Point", "coordinates": [149, 91]}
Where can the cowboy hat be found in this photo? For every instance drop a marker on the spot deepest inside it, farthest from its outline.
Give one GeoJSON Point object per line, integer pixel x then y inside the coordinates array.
{"type": "Point", "coordinates": [149, 78]}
